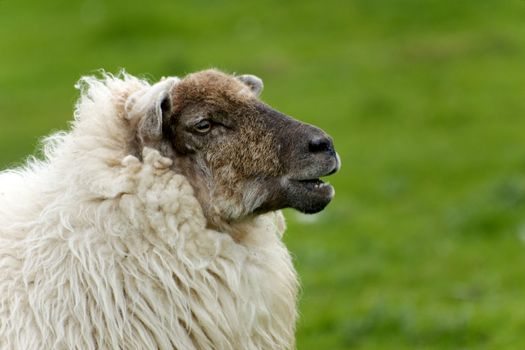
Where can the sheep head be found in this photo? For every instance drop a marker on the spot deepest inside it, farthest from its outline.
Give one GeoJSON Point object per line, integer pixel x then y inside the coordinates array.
{"type": "Point", "coordinates": [241, 156]}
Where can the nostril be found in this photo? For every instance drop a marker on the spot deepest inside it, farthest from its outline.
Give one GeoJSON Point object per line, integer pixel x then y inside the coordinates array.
{"type": "Point", "coordinates": [320, 144]}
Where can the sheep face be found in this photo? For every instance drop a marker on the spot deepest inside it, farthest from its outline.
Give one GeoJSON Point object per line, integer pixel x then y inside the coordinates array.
{"type": "Point", "coordinates": [241, 156]}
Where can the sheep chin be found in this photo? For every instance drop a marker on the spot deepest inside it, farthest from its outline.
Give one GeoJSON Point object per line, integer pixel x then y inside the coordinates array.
{"type": "Point", "coordinates": [307, 196]}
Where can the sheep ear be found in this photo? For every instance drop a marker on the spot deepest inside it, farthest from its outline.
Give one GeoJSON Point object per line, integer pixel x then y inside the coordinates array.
{"type": "Point", "coordinates": [150, 107]}
{"type": "Point", "coordinates": [254, 83]}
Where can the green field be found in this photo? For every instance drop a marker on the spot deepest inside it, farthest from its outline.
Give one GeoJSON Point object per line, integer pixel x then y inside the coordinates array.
{"type": "Point", "coordinates": [424, 245]}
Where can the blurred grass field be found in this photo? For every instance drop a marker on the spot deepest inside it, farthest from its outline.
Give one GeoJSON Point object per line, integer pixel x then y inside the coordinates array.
{"type": "Point", "coordinates": [424, 245]}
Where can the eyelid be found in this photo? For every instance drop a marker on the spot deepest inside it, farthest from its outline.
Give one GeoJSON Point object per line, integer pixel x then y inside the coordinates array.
{"type": "Point", "coordinates": [203, 121]}
{"type": "Point", "coordinates": [197, 121]}
{"type": "Point", "coordinates": [212, 122]}
{"type": "Point", "coordinates": [200, 120]}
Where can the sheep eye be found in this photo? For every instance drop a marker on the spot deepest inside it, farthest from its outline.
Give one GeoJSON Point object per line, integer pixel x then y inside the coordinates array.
{"type": "Point", "coordinates": [203, 126]}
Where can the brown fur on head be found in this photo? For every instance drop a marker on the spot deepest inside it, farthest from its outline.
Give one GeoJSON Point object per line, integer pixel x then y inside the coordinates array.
{"type": "Point", "coordinates": [241, 156]}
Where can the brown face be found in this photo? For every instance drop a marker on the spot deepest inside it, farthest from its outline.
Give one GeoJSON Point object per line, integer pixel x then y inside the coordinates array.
{"type": "Point", "coordinates": [241, 156]}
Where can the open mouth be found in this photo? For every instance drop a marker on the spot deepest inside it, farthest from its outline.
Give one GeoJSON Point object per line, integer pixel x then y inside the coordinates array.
{"type": "Point", "coordinates": [314, 187]}
{"type": "Point", "coordinates": [314, 184]}
{"type": "Point", "coordinates": [306, 191]}
{"type": "Point", "coordinates": [309, 195]}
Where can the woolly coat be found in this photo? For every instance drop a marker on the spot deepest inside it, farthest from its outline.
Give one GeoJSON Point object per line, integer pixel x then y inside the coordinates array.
{"type": "Point", "coordinates": [102, 249]}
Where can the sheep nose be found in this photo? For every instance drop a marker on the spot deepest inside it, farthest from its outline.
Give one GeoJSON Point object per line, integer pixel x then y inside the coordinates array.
{"type": "Point", "coordinates": [321, 143]}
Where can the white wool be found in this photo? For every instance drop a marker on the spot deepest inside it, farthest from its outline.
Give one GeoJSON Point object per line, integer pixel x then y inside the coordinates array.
{"type": "Point", "coordinates": [101, 250]}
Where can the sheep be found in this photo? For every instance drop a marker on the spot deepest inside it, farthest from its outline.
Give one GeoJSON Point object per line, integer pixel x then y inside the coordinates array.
{"type": "Point", "coordinates": [155, 222]}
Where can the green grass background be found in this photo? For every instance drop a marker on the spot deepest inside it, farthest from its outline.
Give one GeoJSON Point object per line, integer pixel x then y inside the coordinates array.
{"type": "Point", "coordinates": [424, 245]}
